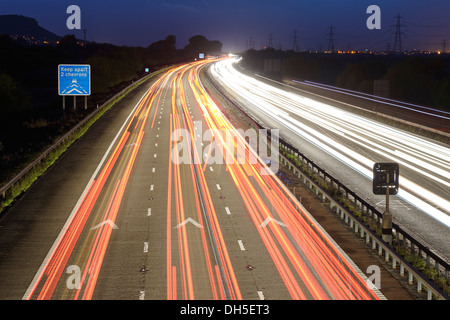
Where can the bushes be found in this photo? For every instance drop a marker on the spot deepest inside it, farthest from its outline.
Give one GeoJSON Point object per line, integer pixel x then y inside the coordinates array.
{"type": "Point", "coordinates": [41, 167]}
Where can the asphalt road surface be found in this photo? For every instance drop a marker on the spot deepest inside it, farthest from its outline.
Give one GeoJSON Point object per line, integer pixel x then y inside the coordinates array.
{"type": "Point", "coordinates": [155, 203]}
{"type": "Point", "coordinates": [347, 145]}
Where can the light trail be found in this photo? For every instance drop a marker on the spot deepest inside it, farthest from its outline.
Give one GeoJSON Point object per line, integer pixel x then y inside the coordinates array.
{"type": "Point", "coordinates": [391, 102]}
{"type": "Point", "coordinates": [114, 170]}
{"type": "Point", "coordinates": [222, 281]}
{"type": "Point", "coordinates": [288, 253]}
{"type": "Point", "coordinates": [343, 135]}
{"type": "Point", "coordinates": [308, 262]}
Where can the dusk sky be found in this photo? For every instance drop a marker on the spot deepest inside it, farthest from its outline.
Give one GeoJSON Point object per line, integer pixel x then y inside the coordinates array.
{"type": "Point", "coordinates": [234, 23]}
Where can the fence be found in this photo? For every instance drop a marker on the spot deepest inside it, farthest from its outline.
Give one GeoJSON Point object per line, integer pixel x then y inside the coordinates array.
{"type": "Point", "coordinates": [361, 216]}
{"type": "Point", "coordinates": [32, 171]}
{"type": "Point", "coordinates": [357, 213]}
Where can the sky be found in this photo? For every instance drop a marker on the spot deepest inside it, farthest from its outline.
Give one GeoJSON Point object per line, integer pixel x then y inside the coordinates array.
{"type": "Point", "coordinates": [242, 24]}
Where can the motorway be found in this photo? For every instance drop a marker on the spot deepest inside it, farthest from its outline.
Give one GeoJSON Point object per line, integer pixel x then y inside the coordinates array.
{"type": "Point", "coordinates": [163, 199]}
{"type": "Point", "coordinates": [434, 119]}
{"type": "Point", "coordinates": [347, 145]}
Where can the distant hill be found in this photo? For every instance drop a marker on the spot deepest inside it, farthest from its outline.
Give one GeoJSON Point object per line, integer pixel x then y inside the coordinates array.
{"type": "Point", "coordinates": [26, 30]}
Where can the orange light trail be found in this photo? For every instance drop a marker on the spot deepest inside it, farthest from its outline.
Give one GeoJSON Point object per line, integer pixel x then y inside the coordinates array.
{"type": "Point", "coordinates": [180, 118]}
{"type": "Point", "coordinates": [120, 157]}
{"type": "Point", "coordinates": [306, 259]}
{"type": "Point", "coordinates": [301, 242]}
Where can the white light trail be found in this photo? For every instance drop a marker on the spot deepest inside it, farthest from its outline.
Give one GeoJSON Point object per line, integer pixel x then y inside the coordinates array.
{"type": "Point", "coordinates": [343, 135]}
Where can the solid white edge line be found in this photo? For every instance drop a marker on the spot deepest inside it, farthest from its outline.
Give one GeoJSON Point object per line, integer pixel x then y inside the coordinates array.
{"type": "Point", "coordinates": [75, 209]}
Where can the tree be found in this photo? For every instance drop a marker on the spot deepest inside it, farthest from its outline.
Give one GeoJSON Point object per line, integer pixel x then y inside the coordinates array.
{"type": "Point", "coordinates": [15, 102]}
{"type": "Point", "coordinates": [163, 51]}
{"type": "Point", "coordinates": [441, 93]}
{"type": "Point", "coordinates": [199, 44]}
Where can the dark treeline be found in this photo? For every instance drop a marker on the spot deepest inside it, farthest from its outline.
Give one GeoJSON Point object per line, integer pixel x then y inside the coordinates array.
{"type": "Point", "coordinates": [31, 115]}
{"type": "Point", "coordinates": [420, 79]}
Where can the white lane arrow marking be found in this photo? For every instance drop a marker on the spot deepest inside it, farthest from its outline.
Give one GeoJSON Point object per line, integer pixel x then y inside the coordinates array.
{"type": "Point", "coordinates": [109, 221]}
{"type": "Point", "coordinates": [132, 144]}
{"type": "Point", "coordinates": [268, 219]}
{"type": "Point", "coordinates": [195, 223]}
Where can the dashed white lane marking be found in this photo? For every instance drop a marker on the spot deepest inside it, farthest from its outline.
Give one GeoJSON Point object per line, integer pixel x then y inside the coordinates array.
{"type": "Point", "coordinates": [261, 295]}
{"type": "Point", "coordinates": [151, 188]}
{"type": "Point", "coordinates": [227, 210]}
{"type": "Point", "coordinates": [153, 170]}
{"type": "Point", "coordinates": [218, 186]}
{"type": "Point", "coordinates": [141, 295]}
{"type": "Point", "coordinates": [241, 245]}
{"type": "Point", "coordinates": [156, 144]}
{"type": "Point", "coordinates": [145, 247]}
{"type": "Point", "coordinates": [149, 212]}
{"type": "Point", "coordinates": [211, 168]}
{"type": "Point", "coordinates": [155, 155]}
{"type": "Point", "coordinates": [74, 210]}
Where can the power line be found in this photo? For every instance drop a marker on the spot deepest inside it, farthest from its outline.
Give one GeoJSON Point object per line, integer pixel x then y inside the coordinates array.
{"type": "Point", "coordinates": [270, 41]}
{"type": "Point", "coordinates": [331, 40]}
{"type": "Point", "coordinates": [398, 34]}
{"type": "Point", "coordinates": [250, 43]}
{"type": "Point", "coordinates": [294, 42]}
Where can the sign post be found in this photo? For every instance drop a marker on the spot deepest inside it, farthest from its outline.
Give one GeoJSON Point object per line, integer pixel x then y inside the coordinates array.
{"type": "Point", "coordinates": [74, 80]}
{"type": "Point", "coordinates": [385, 182]}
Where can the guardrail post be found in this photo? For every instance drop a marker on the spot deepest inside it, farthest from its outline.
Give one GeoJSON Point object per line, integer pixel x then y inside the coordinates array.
{"type": "Point", "coordinates": [365, 228]}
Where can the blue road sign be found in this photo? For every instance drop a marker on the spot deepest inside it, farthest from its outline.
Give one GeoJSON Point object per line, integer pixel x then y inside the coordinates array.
{"type": "Point", "coordinates": [74, 80]}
